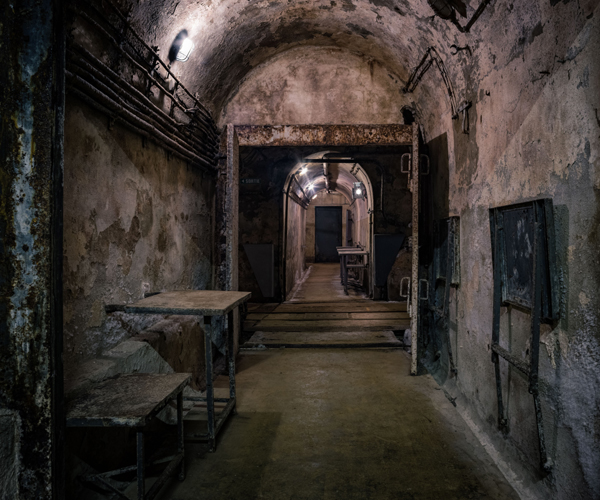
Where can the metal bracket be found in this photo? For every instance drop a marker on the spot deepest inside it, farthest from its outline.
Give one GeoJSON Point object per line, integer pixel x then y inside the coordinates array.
{"type": "Point", "coordinates": [402, 170]}
{"type": "Point", "coordinates": [455, 49]}
{"type": "Point", "coordinates": [406, 280]}
{"type": "Point", "coordinates": [464, 109]}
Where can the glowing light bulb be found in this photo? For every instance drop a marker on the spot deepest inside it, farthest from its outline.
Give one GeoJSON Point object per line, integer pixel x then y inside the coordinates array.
{"type": "Point", "coordinates": [303, 171]}
{"type": "Point", "coordinates": [359, 191]}
{"type": "Point", "coordinates": [185, 50]}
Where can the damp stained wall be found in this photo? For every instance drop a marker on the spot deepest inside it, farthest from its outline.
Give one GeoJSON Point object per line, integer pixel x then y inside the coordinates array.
{"type": "Point", "coordinates": [534, 133]}
{"type": "Point", "coordinates": [135, 221]}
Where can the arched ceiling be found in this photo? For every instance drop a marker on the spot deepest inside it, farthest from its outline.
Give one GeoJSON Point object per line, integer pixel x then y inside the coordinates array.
{"type": "Point", "coordinates": [233, 36]}
{"type": "Point", "coordinates": [310, 177]}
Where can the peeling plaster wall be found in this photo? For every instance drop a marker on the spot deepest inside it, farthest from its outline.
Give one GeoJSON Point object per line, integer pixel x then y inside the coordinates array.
{"type": "Point", "coordinates": [322, 200]}
{"type": "Point", "coordinates": [534, 133]}
{"type": "Point", "coordinates": [135, 221]}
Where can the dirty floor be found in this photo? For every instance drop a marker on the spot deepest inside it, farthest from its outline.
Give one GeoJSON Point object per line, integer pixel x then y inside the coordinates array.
{"type": "Point", "coordinates": [339, 424]}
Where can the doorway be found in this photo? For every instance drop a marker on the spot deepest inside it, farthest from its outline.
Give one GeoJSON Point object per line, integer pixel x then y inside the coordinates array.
{"type": "Point", "coordinates": [328, 233]}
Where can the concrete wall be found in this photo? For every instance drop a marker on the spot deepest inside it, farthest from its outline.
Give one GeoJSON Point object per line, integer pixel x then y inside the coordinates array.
{"type": "Point", "coordinates": [322, 200]}
{"type": "Point", "coordinates": [534, 133]}
{"type": "Point", "coordinates": [316, 85]}
{"type": "Point", "coordinates": [134, 221]}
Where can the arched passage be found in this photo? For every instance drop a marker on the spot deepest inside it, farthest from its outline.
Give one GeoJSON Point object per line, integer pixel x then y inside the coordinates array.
{"type": "Point", "coordinates": [332, 174]}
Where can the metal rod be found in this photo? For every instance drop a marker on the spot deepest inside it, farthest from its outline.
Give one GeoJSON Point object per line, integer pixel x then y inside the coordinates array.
{"type": "Point", "coordinates": [535, 334]}
{"type": "Point", "coordinates": [203, 400]}
{"type": "Point", "coordinates": [165, 129]}
{"type": "Point", "coordinates": [162, 479]}
{"type": "Point", "coordinates": [159, 60]}
{"type": "Point", "coordinates": [104, 482]}
{"type": "Point", "coordinates": [88, 62]}
{"type": "Point", "coordinates": [223, 415]}
{"type": "Point", "coordinates": [139, 66]}
{"type": "Point", "coordinates": [231, 353]}
{"type": "Point", "coordinates": [494, 217]}
{"type": "Point", "coordinates": [210, 326]}
{"type": "Point", "coordinates": [116, 109]}
{"type": "Point", "coordinates": [431, 56]}
{"type": "Point", "coordinates": [141, 471]}
{"type": "Point", "coordinates": [95, 104]}
{"type": "Point", "coordinates": [180, 435]}
{"type": "Point", "coordinates": [519, 364]}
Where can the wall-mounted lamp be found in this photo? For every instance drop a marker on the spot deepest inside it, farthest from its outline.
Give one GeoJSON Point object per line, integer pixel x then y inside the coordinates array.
{"type": "Point", "coordinates": [358, 191]}
{"type": "Point", "coordinates": [303, 170]}
{"type": "Point", "coordinates": [181, 48]}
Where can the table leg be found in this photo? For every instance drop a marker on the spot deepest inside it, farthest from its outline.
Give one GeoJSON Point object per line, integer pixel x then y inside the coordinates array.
{"type": "Point", "coordinates": [231, 358]}
{"type": "Point", "coordinates": [180, 436]}
{"type": "Point", "coordinates": [210, 323]}
{"type": "Point", "coordinates": [345, 274]}
{"type": "Point", "coordinates": [141, 471]}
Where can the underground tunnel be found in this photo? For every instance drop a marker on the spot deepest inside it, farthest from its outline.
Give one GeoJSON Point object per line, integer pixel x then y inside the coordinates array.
{"type": "Point", "coordinates": [300, 249]}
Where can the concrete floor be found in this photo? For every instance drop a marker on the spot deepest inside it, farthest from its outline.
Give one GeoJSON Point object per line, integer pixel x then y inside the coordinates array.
{"type": "Point", "coordinates": [339, 424]}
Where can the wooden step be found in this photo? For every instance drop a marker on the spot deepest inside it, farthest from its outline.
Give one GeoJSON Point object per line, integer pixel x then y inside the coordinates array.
{"type": "Point", "coordinates": [347, 306]}
{"type": "Point", "coordinates": [350, 325]}
{"type": "Point", "coordinates": [300, 316]}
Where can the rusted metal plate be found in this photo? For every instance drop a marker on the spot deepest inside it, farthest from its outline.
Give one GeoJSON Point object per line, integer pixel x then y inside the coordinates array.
{"type": "Point", "coordinates": [324, 135]}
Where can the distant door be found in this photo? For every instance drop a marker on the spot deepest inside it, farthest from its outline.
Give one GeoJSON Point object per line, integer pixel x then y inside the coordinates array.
{"type": "Point", "coordinates": [328, 233]}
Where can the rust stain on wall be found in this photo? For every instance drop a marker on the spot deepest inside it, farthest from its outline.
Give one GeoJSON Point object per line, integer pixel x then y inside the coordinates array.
{"type": "Point", "coordinates": [324, 135]}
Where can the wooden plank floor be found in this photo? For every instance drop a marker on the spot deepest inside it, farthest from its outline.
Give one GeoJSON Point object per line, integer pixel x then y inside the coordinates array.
{"type": "Point", "coordinates": [318, 306]}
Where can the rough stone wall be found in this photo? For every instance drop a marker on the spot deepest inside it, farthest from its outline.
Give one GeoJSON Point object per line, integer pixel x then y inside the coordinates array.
{"type": "Point", "coordinates": [534, 133]}
{"type": "Point", "coordinates": [135, 221]}
{"type": "Point", "coordinates": [322, 200]}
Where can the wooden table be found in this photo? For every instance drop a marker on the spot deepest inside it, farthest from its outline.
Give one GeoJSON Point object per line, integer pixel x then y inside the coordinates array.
{"type": "Point", "coordinates": [132, 400]}
{"type": "Point", "coordinates": [344, 253]}
{"type": "Point", "coordinates": [214, 305]}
